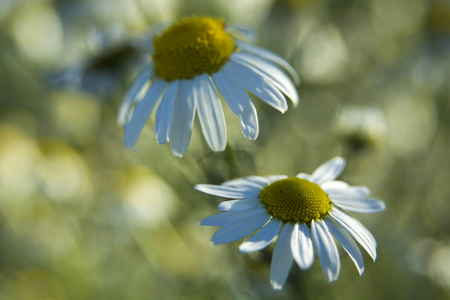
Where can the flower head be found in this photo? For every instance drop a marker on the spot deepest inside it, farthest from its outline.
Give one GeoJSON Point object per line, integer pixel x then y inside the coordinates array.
{"type": "Point", "coordinates": [302, 211]}
{"type": "Point", "coordinates": [195, 62]}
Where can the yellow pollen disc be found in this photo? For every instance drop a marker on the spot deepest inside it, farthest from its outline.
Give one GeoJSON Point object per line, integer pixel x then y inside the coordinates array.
{"type": "Point", "coordinates": [295, 200]}
{"type": "Point", "coordinates": [192, 47]}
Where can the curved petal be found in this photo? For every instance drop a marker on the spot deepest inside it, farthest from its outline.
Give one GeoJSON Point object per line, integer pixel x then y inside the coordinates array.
{"type": "Point", "coordinates": [210, 113]}
{"type": "Point", "coordinates": [282, 258]}
{"type": "Point", "coordinates": [270, 71]}
{"type": "Point", "coordinates": [242, 183]}
{"type": "Point", "coordinates": [328, 171]}
{"type": "Point", "coordinates": [183, 118]}
{"type": "Point", "coordinates": [270, 56]}
{"type": "Point", "coordinates": [334, 184]}
{"type": "Point", "coordinates": [227, 192]}
{"type": "Point", "coordinates": [347, 243]}
{"type": "Point", "coordinates": [239, 205]}
{"type": "Point", "coordinates": [164, 114]}
{"type": "Point", "coordinates": [301, 246]}
{"type": "Point", "coordinates": [239, 102]}
{"type": "Point", "coordinates": [256, 84]}
{"type": "Point", "coordinates": [262, 238]}
{"type": "Point", "coordinates": [225, 218]}
{"type": "Point", "coordinates": [357, 230]}
{"type": "Point", "coordinates": [326, 249]}
{"type": "Point", "coordinates": [231, 232]}
{"type": "Point", "coordinates": [304, 176]}
{"type": "Point", "coordinates": [351, 192]}
{"type": "Point", "coordinates": [273, 178]}
{"type": "Point", "coordinates": [242, 33]}
{"type": "Point", "coordinates": [365, 205]}
{"type": "Point", "coordinates": [265, 180]}
{"type": "Point", "coordinates": [142, 112]}
{"type": "Point", "coordinates": [123, 115]}
{"type": "Point", "coordinates": [261, 180]}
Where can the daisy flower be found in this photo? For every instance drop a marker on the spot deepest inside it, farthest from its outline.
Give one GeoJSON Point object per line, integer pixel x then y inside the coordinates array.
{"type": "Point", "coordinates": [194, 63]}
{"type": "Point", "coordinates": [305, 212]}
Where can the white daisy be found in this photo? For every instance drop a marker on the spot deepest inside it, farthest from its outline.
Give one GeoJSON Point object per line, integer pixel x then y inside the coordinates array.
{"type": "Point", "coordinates": [195, 62]}
{"type": "Point", "coordinates": [302, 211]}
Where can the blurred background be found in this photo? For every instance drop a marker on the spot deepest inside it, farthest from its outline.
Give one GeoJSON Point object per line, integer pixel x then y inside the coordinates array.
{"type": "Point", "coordinates": [81, 217]}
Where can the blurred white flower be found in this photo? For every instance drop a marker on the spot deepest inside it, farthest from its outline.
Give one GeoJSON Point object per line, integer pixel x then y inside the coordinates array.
{"type": "Point", "coordinates": [104, 55]}
{"type": "Point", "coordinates": [412, 118]}
{"type": "Point", "coordinates": [361, 126]}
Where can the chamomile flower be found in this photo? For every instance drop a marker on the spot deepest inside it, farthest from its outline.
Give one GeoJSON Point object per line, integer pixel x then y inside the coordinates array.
{"type": "Point", "coordinates": [194, 63]}
{"type": "Point", "coordinates": [305, 212]}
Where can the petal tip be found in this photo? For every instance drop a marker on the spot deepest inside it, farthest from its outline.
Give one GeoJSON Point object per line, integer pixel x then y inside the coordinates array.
{"type": "Point", "coordinates": [243, 248]}
{"type": "Point", "coordinates": [217, 242]}
{"type": "Point", "coordinates": [177, 154]}
{"type": "Point", "coordinates": [218, 148]}
{"type": "Point", "coordinates": [276, 285]}
{"type": "Point", "coordinates": [131, 147]}
{"type": "Point", "coordinates": [198, 187]}
{"type": "Point", "coordinates": [340, 159]}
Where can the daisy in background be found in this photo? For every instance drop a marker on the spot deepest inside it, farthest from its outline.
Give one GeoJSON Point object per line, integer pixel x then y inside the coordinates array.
{"type": "Point", "coordinates": [196, 62]}
{"type": "Point", "coordinates": [302, 211]}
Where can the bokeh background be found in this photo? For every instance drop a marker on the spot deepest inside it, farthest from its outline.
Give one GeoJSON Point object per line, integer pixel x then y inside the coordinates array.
{"type": "Point", "coordinates": [81, 217]}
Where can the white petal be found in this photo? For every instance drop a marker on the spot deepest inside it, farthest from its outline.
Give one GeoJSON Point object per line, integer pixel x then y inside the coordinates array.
{"type": "Point", "coordinates": [242, 33]}
{"type": "Point", "coordinates": [326, 249]}
{"type": "Point", "coordinates": [183, 118]}
{"type": "Point", "coordinates": [164, 114]}
{"type": "Point", "coordinates": [351, 192]}
{"type": "Point", "coordinates": [282, 258]}
{"type": "Point", "coordinates": [133, 91]}
{"type": "Point", "coordinates": [273, 178]}
{"type": "Point", "coordinates": [223, 218]}
{"type": "Point", "coordinates": [239, 205]}
{"type": "Point", "coordinates": [362, 205]}
{"type": "Point", "coordinates": [347, 243]}
{"type": "Point", "coordinates": [227, 192]}
{"type": "Point", "coordinates": [256, 84]}
{"type": "Point", "coordinates": [270, 56]}
{"type": "Point", "coordinates": [239, 102]}
{"type": "Point", "coordinates": [242, 183]}
{"type": "Point", "coordinates": [304, 176]}
{"type": "Point", "coordinates": [357, 230]}
{"type": "Point", "coordinates": [328, 171]}
{"type": "Point", "coordinates": [254, 181]}
{"type": "Point", "coordinates": [301, 246]}
{"type": "Point", "coordinates": [142, 112]}
{"type": "Point", "coordinates": [231, 232]}
{"type": "Point", "coordinates": [263, 181]}
{"type": "Point", "coordinates": [262, 238]}
{"type": "Point", "coordinates": [210, 113]}
{"type": "Point", "coordinates": [270, 71]}
{"type": "Point", "coordinates": [334, 184]}
{"type": "Point", "coordinates": [344, 215]}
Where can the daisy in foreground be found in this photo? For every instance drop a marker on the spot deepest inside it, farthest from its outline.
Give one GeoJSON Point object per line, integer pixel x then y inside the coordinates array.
{"type": "Point", "coordinates": [194, 63]}
{"type": "Point", "coordinates": [302, 211]}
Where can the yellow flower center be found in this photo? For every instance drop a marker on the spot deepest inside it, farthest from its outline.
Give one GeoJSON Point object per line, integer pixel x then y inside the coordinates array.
{"type": "Point", "coordinates": [192, 47]}
{"type": "Point", "coordinates": [295, 200]}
